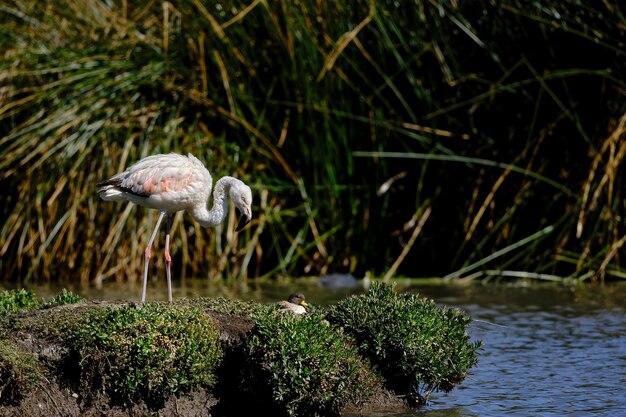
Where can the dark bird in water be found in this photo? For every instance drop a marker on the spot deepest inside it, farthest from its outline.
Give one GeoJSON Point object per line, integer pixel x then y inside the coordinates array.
{"type": "Point", "coordinates": [338, 281]}
{"type": "Point", "coordinates": [295, 304]}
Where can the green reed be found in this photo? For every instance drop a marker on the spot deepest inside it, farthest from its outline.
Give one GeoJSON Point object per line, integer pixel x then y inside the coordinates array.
{"type": "Point", "coordinates": [498, 119]}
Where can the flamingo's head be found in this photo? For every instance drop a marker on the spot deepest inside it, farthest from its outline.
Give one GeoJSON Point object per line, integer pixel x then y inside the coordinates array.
{"type": "Point", "coordinates": [241, 195]}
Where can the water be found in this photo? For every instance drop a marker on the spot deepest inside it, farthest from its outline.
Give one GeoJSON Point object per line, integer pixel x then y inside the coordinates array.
{"type": "Point", "coordinates": [549, 350]}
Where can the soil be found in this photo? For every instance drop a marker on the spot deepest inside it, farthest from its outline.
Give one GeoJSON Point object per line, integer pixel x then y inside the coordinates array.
{"type": "Point", "coordinates": [50, 399]}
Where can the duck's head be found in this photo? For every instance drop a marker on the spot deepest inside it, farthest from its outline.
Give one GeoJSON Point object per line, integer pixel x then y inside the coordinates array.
{"type": "Point", "coordinates": [297, 298]}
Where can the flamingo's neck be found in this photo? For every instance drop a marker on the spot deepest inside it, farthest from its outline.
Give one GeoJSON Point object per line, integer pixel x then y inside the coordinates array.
{"type": "Point", "coordinates": [215, 216]}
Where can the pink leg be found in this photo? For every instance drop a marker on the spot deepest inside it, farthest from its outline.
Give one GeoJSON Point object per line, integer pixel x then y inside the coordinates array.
{"type": "Point", "coordinates": [147, 258]}
{"type": "Point", "coordinates": [168, 258]}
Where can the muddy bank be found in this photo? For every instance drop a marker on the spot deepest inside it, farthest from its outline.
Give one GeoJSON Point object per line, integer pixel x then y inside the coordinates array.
{"type": "Point", "coordinates": [216, 357]}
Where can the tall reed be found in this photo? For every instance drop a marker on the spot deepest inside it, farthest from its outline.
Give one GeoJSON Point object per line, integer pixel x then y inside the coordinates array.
{"type": "Point", "coordinates": [349, 122]}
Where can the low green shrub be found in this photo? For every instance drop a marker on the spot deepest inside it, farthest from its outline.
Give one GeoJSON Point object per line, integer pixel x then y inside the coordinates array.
{"type": "Point", "coordinates": [417, 346]}
{"type": "Point", "coordinates": [19, 372]}
{"type": "Point", "coordinates": [12, 301]}
{"type": "Point", "coordinates": [146, 353]}
{"type": "Point", "coordinates": [307, 366]}
{"type": "Point", "coordinates": [65, 297]}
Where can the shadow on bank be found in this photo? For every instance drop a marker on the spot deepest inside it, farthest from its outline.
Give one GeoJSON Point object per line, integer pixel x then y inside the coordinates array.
{"type": "Point", "coordinates": [201, 357]}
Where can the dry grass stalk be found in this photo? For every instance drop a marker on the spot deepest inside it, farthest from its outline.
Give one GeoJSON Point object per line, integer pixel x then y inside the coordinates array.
{"type": "Point", "coordinates": [408, 246]}
{"type": "Point", "coordinates": [345, 40]}
{"type": "Point", "coordinates": [613, 149]}
{"type": "Point", "coordinates": [613, 251]}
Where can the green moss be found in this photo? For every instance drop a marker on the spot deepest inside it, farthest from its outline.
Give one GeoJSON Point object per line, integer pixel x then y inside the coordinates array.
{"type": "Point", "coordinates": [224, 305]}
{"type": "Point", "coordinates": [49, 323]}
{"type": "Point", "coordinates": [417, 346]}
{"type": "Point", "coordinates": [307, 367]}
{"type": "Point", "coordinates": [19, 372]}
{"type": "Point", "coordinates": [12, 301]}
{"type": "Point", "coordinates": [146, 353]}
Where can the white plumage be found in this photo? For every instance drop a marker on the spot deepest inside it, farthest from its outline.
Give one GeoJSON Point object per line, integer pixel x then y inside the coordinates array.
{"type": "Point", "coordinates": [170, 183]}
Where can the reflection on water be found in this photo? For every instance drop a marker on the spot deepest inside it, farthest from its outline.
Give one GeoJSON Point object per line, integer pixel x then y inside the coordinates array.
{"type": "Point", "coordinates": [548, 350]}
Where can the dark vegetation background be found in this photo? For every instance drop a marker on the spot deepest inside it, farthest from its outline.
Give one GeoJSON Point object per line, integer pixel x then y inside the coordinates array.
{"type": "Point", "coordinates": [422, 138]}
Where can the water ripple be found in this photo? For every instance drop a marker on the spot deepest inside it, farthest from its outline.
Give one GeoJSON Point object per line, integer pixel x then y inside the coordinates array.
{"type": "Point", "coordinates": [553, 357]}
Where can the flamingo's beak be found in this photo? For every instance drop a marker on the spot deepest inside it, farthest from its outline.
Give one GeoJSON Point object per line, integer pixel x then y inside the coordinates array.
{"type": "Point", "coordinates": [243, 220]}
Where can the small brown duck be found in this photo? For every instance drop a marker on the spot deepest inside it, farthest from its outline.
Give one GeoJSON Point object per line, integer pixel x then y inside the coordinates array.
{"type": "Point", "coordinates": [295, 304]}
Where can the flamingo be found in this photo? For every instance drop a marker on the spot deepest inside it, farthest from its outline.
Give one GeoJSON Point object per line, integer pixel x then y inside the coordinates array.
{"type": "Point", "coordinates": [170, 183]}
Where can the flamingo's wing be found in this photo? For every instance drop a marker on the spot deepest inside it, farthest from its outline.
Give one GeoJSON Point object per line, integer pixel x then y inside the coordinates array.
{"type": "Point", "coordinates": [156, 176]}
